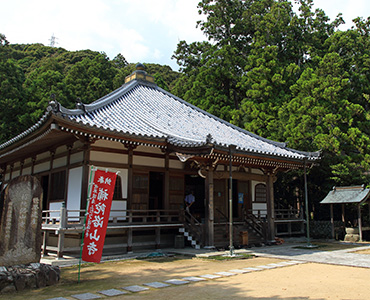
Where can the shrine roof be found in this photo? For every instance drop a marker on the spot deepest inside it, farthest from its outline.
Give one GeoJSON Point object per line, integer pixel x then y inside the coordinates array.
{"type": "Point", "coordinates": [141, 109]}
{"type": "Point", "coordinates": [346, 194]}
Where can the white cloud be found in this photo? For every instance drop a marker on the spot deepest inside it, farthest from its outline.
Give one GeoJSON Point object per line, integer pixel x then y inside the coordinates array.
{"type": "Point", "coordinates": [142, 30]}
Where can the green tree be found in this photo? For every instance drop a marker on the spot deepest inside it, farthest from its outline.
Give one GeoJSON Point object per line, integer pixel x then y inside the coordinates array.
{"type": "Point", "coordinates": [12, 94]}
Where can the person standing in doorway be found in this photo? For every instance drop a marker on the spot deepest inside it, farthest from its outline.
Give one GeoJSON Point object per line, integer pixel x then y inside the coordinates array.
{"type": "Point", "coordinates": [189, 200]}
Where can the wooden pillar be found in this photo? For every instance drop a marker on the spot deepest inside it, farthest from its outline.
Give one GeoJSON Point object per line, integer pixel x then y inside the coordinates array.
{"type": "Point", "coordinates": [209, 209]}
{"type": "Point", "coordinates": [2, 176]}
{"type": "Point", "coordinates": [62, 227]}
{"type": "Point", "coordinates": [11, 172]}
{"type": "Point", "coordinates": [85, 176]}
{"type": "Point", "coordinates": [69, 148]}
{"type": "Point", "coordinates": [129, 240]}
{"type": "Point", "coordinates": [343, 214]}
{"type": "Point", "coordinates": [270, 208]}
{"type": "Point", "coordinates": [44, 243]}
{"type": "Point", "coordinates": [130, 176]}
{"type": "Point", "coordinates": [359, 221]}
{"type": "Point", "coordinates": [157, 238]}
{"type": "Point", "coordinates": [33, 165]}
{"type": "Point", "coordinates": [50, 187]}
{"type": "Point", "coordinates": [167, 181]}
{"type": "Point", "coordinates": [332, 221]}
{"type": "Point", "coordinates": [21, 170]}
{"type": "Point", "coordinates": [158, 231]}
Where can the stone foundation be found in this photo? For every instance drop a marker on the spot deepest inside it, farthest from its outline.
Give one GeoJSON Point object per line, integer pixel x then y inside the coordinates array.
{"type": "Point", "coordinates": [31, 276]}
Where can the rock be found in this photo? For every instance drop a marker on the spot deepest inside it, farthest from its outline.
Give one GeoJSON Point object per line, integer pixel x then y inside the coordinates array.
{"type": "Point", "coordinates": [41, 279]}
{"type": "Point", "coordinates": [20, 224]}
{"type": "Point", "coordinates": [52, 277]}
{"type": "Point", "coordinates": [6, 279]}
{"type": "Point", "coordinates": [20, 277]}
{"type": "Point", "coordinates": [20, 282]}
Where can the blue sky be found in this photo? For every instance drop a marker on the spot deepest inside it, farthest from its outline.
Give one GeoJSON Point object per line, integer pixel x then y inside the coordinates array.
{"type": "Point", "coordinates": [141, 30]}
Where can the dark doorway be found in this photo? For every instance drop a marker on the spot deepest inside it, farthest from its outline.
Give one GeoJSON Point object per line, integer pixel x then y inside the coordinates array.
{"type": "Point", "coordinates": [195, 184]}
{"type": "Point", "coordinates": [156, 184]}
{"type": "Point", "coordinates": [45, 189]}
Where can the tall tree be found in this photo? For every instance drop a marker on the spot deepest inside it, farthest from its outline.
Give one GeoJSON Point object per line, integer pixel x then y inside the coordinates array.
{"type": "Point", "coordinates": [12, 94]}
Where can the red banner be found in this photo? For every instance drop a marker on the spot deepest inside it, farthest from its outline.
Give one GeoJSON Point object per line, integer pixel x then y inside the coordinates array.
{"type": "Point", "coordinates": [98, 215]}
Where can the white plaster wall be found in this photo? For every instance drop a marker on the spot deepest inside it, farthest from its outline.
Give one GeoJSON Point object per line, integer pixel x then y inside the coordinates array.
{"type": "Point", "coordinates": [109, 144]}
{"type": "Point", "coordinates": [148, 161]}
{"type": "Point", "coordinates": [149, 149]}
{"type": "Point", "coordinates": [16, 174]}
{"type": "Point", "coordinates": [257, 171]}
{"type": "Point", "coordinates": [28, 161]}
{"type": "Point", "coordinates": [60, 150]}
{"type": "Point", "coordinates": [119, 205]}
{"type": "Point", "coordinates": [74, 191]}
{"type": "Point", "coordinates": [60, 162]}
{"type": "Point", "coordinates": [257, 206]}
{"type": "Point", "coordinates": [109, 157]}
{"type": "Point", "coordinates": [43, 155]}
{"type": "Point", "coordinates": [42, 167]}
{"type": "Point", "coordinates": [253, 186]}
{"type": "Point", "coordinates": [219, 168]}
{"type": "Point", "coordinates": [77, 157]}
{"type": "Point", "coordinates": [123, 173]}
{"type": "Point", "coordinates": [176, 164]}
{"type": "Point", "coordinates": [27, 171]}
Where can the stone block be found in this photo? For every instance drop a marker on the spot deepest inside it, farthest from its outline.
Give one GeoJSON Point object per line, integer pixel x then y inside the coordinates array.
{"type": "Point", "coordinates": [156, 285]}
{"type": "Point", "coordinates": [112, 292]}
{"type": "Point", "coordinates": [86, 296]}
{"type": "Point", "coordinates": [20, 223]}
{"type": "Point", "coordinates": [135, 288]}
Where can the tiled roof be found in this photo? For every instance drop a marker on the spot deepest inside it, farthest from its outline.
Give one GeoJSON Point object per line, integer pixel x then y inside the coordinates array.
{"type": "Point", "coordinates": [350, 194]}
{"type": "Point", "coordinates": [140, 108]}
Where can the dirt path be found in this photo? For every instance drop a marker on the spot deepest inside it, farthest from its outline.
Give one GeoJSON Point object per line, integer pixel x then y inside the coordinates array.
{"type": "Point", "coordinates": [305, 281]}
{"type": "Point", "coordinates": [302, 281]}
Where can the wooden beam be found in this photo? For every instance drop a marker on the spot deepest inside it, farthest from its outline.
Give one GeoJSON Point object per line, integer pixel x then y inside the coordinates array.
{"type": "Point", "coordinates": [332, 221]}
{"type": "Point", "coordinates": [240, 176]}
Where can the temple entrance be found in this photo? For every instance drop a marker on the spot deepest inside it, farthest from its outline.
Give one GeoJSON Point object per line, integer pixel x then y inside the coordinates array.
{"type": "Point", "coordinates": [195, 184]}
{"type": "Point", "coordinates": [156, 190]}
{"type": "Point", "coordinates": [241, 199]}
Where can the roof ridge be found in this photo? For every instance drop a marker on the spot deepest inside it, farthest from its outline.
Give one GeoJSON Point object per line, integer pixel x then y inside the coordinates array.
{"type": "Point", "coordinates": [275, 143]}
{"type": "Point", "coordinates": [28, 131]}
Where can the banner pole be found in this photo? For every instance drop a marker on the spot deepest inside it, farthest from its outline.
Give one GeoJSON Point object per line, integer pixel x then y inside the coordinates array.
{"type": "Point", "coordinates": [84, 224]}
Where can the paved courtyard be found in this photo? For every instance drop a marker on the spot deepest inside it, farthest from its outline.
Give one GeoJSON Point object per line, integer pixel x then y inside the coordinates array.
{"type": "Point", "coordinates": [294, 261]}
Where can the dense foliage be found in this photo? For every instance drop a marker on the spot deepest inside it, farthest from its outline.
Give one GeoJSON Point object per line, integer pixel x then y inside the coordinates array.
{"type": "Point", "coordinates": [289, 75]}
{"type": "Point", "coordinates": [29, 74]}
{"type": "Point", "coordinates": [281, 71]}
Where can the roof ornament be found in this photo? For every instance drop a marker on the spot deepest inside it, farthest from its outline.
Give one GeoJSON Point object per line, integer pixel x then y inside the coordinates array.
{"type": "Point", "coordinates": [139, 74]}
{"type": "Point", "coordinates": [79, 104]}
{"type": "Point", "coordinates": [183, 157]}
{"type": "Point", "coordinates": [54, 105]}
{"type": "Point", "coordinates": [209, 139]}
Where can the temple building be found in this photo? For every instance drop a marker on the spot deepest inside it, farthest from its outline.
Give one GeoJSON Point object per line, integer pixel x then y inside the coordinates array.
{"type": "Point", "coordinates": [163, 149]}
